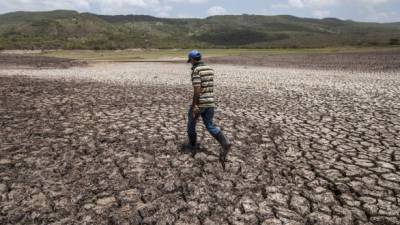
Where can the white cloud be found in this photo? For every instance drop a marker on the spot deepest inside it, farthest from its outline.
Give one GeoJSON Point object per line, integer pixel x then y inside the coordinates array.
{"type": "Point", "coordinates": [312, 3]}
{"type": "Point", "coordinates": [373, 15]}
{"type": "Point", "coordinates": [216, 10]}
{"type": "Point", "coordinates": [33, 5]}
{"type": "Point", "coordinates": [326, 3]}
{"type": "Point", "coordinates": [374, 1]}
{"type": "Point", "coordinates": [296, 3]}
{"type": "Point", "coordinates": [124, 6]}
{"type": "Point", "coordinates": [163, 11]}
{"type": "Point", "coordinates": [99, 6]}
{"type": "Point", "coordinates": [189, 1]}
{"type": "Point", "coordinates": [280, 6]}
{"type": "Point", "coordinates": [321, 13]}
{"type": "Point", "coordinates": [359, 10]}
{"type": "Point", "coordinates": [384, 10]}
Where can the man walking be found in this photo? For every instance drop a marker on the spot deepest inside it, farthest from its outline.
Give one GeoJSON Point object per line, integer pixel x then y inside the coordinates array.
{"type": "Point", "coordinates": [203, 105]}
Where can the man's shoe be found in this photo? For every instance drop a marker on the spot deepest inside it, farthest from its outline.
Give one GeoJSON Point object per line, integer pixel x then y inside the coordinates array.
{"type": "Point", "coordinates": [189, 149]}
{"type": "Point", "coordinates": [224, 152]}
{"type": "Point", "coordinates": [226, 147]}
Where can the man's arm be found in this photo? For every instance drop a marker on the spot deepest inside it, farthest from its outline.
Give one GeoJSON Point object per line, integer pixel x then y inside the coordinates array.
{"type": "Point", "coordinates": [195, 103]}
{"type": "Point", "coordinates": [196, 82]}
{"type": "Point", "coordinates": [196, 95]}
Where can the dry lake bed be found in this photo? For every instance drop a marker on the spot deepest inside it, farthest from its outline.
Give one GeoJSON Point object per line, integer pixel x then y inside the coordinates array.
{"type": "Point", "coordinates": [99, 143]}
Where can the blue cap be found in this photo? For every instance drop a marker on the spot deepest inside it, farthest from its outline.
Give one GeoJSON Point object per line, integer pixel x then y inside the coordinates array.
{"type": "Point", "coordinates": [194, 54]}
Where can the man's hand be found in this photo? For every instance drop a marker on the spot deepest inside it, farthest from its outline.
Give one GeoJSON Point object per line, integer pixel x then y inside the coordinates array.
{"type": "Point", "coordinates": [195, 111]}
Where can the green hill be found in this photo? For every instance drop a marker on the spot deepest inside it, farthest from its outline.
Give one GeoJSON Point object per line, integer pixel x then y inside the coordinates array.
{"type": "Point", "coordinates": [73, 30]}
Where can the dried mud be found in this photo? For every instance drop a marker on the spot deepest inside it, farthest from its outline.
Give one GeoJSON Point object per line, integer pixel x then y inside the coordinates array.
{"type": "Point", "coordinates": [367, 61]}
{"type": "Point", "coordinates": [310, 147]}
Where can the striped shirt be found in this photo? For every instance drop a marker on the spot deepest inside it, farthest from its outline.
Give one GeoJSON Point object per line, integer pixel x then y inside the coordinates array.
{"type": "Point", "coordinates": [203, 76]}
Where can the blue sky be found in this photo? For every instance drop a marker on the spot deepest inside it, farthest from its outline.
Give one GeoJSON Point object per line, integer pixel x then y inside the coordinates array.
{"type": "Point", "coordinates": [359, 10]}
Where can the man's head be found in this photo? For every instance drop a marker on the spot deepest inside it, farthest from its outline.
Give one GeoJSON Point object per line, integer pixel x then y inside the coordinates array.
{"type": "Point", "coordinates": [194, 56]}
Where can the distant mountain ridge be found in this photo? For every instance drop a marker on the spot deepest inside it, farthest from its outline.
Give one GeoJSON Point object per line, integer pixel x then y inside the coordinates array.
{"type": "Point", "coordinates": [72, 30]}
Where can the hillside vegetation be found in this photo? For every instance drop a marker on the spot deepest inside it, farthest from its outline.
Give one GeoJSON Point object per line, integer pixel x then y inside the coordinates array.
{"type": "Point", "coordinates": [72, 30]}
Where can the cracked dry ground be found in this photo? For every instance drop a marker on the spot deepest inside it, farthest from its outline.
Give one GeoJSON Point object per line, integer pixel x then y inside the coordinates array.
{"type": "Point", "coordinates": [307, 150]}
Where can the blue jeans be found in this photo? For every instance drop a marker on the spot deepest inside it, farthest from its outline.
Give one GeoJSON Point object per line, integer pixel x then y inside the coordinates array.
{"type": "Point", "coordinates": [207, 114]}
